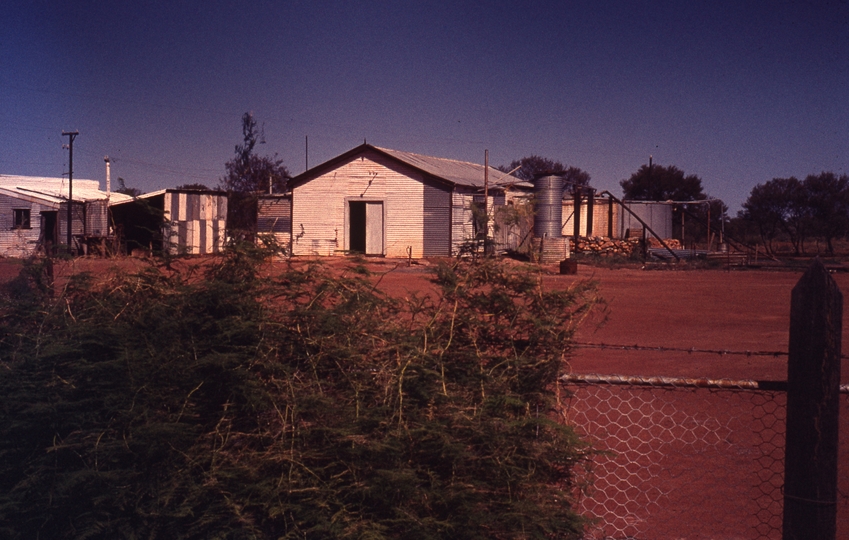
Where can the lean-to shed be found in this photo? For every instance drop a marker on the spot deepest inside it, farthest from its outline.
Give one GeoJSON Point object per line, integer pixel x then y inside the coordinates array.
{"type": "Point", "coordinates": [175, 221]}
{"type": "Point", "coordinates": [386, 202]}
{"type": "Point", "coordinates": [34, 214]}
{"type": "Point", "coordinates": [611, 220]}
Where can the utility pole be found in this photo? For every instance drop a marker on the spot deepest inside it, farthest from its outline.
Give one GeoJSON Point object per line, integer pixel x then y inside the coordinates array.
{"type": "Point", "coordinates": [71, 136]}
{"type": "Point", "coordinates": [485, 200]}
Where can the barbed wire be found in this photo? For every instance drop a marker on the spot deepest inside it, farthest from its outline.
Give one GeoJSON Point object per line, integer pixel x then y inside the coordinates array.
{"type": "Point", "coordinates": [721, 352]}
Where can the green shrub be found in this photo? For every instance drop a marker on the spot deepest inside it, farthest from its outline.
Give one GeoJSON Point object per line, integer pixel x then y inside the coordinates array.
{"type": "Point", "coordinates": [302, 405]}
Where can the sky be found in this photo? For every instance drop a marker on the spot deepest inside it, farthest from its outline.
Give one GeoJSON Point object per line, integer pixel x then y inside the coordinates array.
{"type": "Point", "coordinates": [735, 92]}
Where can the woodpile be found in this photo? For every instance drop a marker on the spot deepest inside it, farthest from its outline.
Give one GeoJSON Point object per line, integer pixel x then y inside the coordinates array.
{"type": "Point", "coordinates": [672, 243]}
{"type": "Point", "coordinates": [614, 246]}
{"type": "Point", "coordinates": [607, 246]}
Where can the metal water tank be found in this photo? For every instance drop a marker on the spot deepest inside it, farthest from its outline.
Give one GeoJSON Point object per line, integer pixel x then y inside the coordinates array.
{"type": "Point", "coordinates": [548, 193]}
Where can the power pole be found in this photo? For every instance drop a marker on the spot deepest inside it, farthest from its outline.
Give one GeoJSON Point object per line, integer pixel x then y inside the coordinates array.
{"type": "Point", "coordinates": [71, 136]}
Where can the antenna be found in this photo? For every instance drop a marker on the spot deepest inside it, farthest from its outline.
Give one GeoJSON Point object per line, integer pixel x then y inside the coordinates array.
{"type": "Point", "coordinates": [262, 134]}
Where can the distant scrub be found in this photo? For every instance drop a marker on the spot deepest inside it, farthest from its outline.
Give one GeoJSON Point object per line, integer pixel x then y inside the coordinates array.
{"type": "Point", "coordinates": [306, 405]}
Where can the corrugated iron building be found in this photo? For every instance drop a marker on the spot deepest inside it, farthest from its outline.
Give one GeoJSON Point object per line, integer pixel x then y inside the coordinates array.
{"type": "Point", "coordinates": [390, 203]}
{"type": "Point", "coordinates": [34, 214]}
{"type": "Point", "coordinates": [609, 218]}
{"type": "Point", "coordinates": [175, 221]}
{"type": "Point", "coordinates": [274, 218]}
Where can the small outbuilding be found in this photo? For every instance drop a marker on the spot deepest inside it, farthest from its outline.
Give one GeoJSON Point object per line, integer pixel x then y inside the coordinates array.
{"type": "Point", "coordinates": [383, 202]}
{"type": "Point", "coordinates": [34, 215]}
{"type": "Point", "coordinates": [174, 221]}
{"type": "Point", "coordinates": [602, 216]}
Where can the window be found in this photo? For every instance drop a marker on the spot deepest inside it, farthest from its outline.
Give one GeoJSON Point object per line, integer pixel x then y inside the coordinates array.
{"type": "Point", "coordinates": [21, 218]}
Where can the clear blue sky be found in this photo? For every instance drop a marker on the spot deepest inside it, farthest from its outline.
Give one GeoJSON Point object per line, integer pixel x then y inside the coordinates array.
{"type": "Point", "coordinates": [736, 92]}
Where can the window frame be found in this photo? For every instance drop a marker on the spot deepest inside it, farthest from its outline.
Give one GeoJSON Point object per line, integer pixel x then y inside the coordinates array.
{"type": "Point", "coordinates": [21, 218]}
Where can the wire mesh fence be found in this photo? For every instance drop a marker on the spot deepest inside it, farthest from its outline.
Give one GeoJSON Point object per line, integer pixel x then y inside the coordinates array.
{"type": "Point", "coordinates": [694, 460]}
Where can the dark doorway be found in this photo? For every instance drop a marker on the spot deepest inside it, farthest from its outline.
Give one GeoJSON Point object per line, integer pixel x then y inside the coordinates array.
{"type": "Point", "coordinates": [358, 227]}
{"type": "Point", "coordinates": [49, 232]}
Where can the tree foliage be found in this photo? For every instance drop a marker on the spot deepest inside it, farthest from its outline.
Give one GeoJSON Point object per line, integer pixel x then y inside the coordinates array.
{"type": "Point", "coordinates": [248, 176]}
{"type": "Point", "coordinates": [197, 186]}
{"type": "Point", "coordinates": [777, 206]}
{"type": "Point", "coordinates": [532, 166]}
{"type": "Point", "coordinates": [828, 205]}
{"type": "Point", "coordinates": [795, 210]}
{"type": "Point", "coordinates": [227, 403]}
{"type": "Point", "coordinates": [122, 188]}
{"type": "Point", "coordinates": [659, 183]}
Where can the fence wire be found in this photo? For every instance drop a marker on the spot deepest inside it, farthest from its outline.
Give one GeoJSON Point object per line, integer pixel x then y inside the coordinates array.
{"type": "Point", "coordinates": [684, 462]}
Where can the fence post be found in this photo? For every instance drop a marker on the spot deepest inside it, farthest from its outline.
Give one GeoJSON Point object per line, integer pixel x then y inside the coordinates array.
{"type": "Point", "coordinates": [813, 386]}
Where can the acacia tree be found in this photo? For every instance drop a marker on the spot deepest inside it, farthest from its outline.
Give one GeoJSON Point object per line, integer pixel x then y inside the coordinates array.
{"type": "Point", "coordinates": [533, 166]}
{"type": "Point", "coordinates": [224, 402]}
{"type": "Point", "coordinates": [659, 183]}
{"type": "Point", "coordinates": [122, 188]}
{"type": "Point", "coordinates": [827, 200]}
{"type": "Point", "coordinates": [817, 206]}
{"type": "Point", "coordinates": [248, 176]}
{"type": "Point", "coordinates": [778, 206]}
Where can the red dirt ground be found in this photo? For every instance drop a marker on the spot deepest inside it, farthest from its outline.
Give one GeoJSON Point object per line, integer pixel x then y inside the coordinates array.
{"type": "Point", "coordinates": [695, 309]}
{"type": "Point", "coordinates": [711, 310]}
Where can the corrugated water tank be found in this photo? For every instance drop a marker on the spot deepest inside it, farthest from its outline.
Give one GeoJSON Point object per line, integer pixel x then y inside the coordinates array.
{"type": "Point", "coordinates": [548, 193]}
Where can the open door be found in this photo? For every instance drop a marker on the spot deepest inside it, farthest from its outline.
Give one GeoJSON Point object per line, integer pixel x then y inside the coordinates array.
{"type": "Point", "coordinates": [49, 230]}
{"type": "Point", "coordinates": [365, 226]}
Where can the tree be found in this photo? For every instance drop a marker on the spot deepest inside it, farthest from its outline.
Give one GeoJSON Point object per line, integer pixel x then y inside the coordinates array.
{"type": "Point", "coordinates": [249, 176]}
{"type": "Point", "coordinates": [194, 186]}
{"type": "Point", "coordinates": [828, 205]}
{"type": "Point", "coordinates": [658, 183]}
{"type": "Point", "coordinates": [533, 166]}
{"type": "Point", "coordinates": [122, 188]}
{"type": "Point", "coordinates": [777, 206]}
{"type": "Point", "coordinates": [224, 402]}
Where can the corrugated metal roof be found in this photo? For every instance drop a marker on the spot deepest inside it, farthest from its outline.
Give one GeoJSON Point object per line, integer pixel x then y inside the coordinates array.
{"type": "Point", "coordinates": [458, 172]}
{"type": "Point", "coordinates": [447, 170]}
{"type": "Point", "coordinates": [55, 190]}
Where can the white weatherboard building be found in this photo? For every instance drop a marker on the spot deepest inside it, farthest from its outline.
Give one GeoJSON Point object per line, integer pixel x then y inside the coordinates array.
{"type": "Point", "coordinates": [383, 202]}
{"type": "Point", "coordinates": [34, 214]}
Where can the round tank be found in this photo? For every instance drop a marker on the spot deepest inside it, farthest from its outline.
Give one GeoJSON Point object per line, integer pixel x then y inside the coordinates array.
{"type": "Point", "coordinates": [548, 193]}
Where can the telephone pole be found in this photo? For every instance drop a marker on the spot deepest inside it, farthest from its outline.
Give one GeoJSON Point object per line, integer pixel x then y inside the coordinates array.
{"type": "Point", "coordinates": [71, 136]}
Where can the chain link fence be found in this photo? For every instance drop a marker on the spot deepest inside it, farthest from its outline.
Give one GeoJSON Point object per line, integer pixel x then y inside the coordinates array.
{"type": "Point", "coordinates": [685, 459]}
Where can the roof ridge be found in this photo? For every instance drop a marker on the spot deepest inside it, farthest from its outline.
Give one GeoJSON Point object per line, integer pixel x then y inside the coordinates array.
{"type": "Point", "coordinates": [434, 157]}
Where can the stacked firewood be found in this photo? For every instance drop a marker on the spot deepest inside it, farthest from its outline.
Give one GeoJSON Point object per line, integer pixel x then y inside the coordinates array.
{"type": "Point", "coordinates": [607, 246]}
{"type": "Point", "coordinates": [671, 243]}
{"type": "Point", "coordinates": [613, 246]}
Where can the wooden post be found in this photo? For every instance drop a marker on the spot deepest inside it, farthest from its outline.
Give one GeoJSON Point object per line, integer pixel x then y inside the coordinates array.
{"type": "Point", "coordinates": [813, 386]}
{"type": "Point", "coordinates": [577, 213]}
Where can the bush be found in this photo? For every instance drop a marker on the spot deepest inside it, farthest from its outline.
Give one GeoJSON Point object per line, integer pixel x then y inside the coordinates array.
{"type": "Point", "coordinates": [237, 405]}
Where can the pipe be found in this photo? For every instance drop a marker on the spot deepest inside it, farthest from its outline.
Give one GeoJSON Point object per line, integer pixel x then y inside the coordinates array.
{"type": "Point", "coordinates": [108, 178]}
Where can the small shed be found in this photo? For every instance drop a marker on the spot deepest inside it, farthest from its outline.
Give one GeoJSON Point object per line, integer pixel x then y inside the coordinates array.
{"type": "Point", "coordinates": [34, 214]}
{"type": "Point", "coordinates": [612, 220]}
{"type": "Point", "coordinates": [383, 202]}
{"type": "Point", "coordinates": [175, 221]}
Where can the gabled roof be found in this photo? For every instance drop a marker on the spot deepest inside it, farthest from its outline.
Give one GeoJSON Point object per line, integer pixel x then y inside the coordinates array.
{"type": "Point", "coordinates": [458, 173]}
{"type": "Point", "coordinates": [54, 191]}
